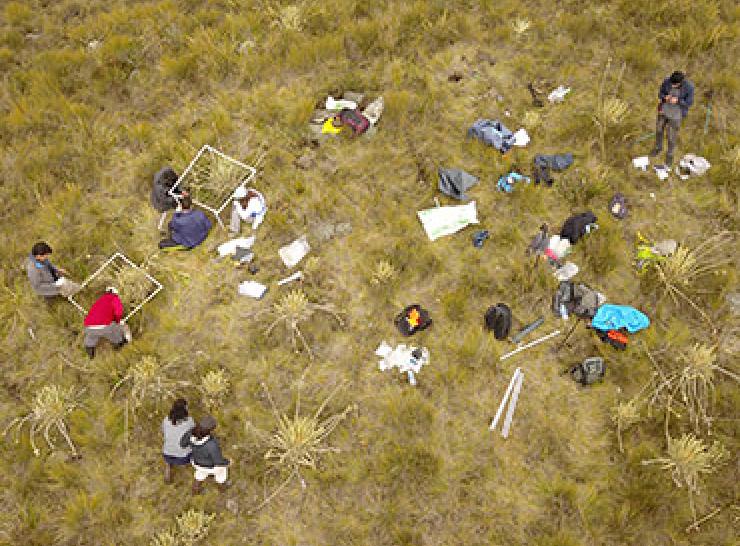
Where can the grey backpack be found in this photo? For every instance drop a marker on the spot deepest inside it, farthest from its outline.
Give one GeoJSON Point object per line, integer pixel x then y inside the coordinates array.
{"type": "Point", "coordinates": [589, 371]}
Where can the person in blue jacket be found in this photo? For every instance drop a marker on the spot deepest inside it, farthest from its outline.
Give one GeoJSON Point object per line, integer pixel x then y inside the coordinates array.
{"type": "Point", "coordinates": [676, 96]}
{"type": "Point", "coordinates": [188, 227]}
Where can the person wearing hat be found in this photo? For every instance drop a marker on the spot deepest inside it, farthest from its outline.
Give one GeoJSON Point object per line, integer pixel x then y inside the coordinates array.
{"type": "Point", "coordinates": [676, 96]}
{"type": "Point", "coordinates": [249, 206]}
{"type": "Point", "coordinates": [207, 459]}
{"type": "Point", "coordinates": [104, 321]}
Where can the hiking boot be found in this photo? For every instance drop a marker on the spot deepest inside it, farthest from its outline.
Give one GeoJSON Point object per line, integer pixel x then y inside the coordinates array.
{"type": "Point", "coordinates": [90, 351]}
{"type": "Point", "coordinates": [197, 487]}
{"type": "Point", "coordinates": [225, 486]}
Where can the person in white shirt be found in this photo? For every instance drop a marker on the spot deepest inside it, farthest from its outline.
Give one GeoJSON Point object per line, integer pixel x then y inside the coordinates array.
{"type": "Point", "coordinates": [249, 206]}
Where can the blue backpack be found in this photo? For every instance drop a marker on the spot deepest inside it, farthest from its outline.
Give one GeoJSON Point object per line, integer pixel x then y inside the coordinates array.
{"type": "Point", "coordinates": [494, 133]}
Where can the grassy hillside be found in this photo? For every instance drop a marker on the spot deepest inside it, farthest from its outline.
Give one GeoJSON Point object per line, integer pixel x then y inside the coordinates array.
{"type": "Point", "coordinates": [97, 95]}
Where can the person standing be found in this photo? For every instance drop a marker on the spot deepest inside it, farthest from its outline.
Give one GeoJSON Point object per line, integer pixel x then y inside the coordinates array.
{"type": "Point", "coordinates": [46, 279]}
{"type": "Point", "coordinates": [103, 321]}
{"type": "Point", "coordinates": [676, 96]}
{"type": "Point", "coordinates": [175, 424]}
{"type": "Point", "coordinates": [249, 206]}
{"type": "Point", "coordinates": [188, 227]}
{"type": "Point", "coordinates": [207, 459]}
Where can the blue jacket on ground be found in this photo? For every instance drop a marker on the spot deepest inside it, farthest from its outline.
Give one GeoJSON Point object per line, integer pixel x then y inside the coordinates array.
{"type": "Point", "coordinates": [685, 98]}
{"type": "Point", "coordinates": [614, 317]}
{"type": "Point", "coordinates": [189, 229]}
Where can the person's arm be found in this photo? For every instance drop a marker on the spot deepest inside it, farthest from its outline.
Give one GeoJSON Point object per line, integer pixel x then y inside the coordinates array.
{"type": "Point", "coordinates": [665, 90]}
{"type": "Point", "coordinates": [185, 439]}
{"type": "Point", "coordinates": [117, 309]}
{"type": "Point", "coordinates": [214, 450]}
{"type": "Point", "coordinates": [687, 96]}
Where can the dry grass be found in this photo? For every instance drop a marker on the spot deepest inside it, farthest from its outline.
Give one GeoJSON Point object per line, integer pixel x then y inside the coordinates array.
{"type": "Point", "coordinates": [84, 128]}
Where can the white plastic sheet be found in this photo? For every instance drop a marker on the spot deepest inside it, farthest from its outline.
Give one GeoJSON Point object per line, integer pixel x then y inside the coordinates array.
{"type": "Point", "coordinates": [641, 162]}
{"type": "Point", "coordinates": [441, 221]}
{"type": "Point", "coordinates": [229, 247]}
{"type": "Point", "coordinates": [294, 252]}
{"type": "Point", "coordinates": [252, 289]}
{"type": "Point", "coordinates": [558, 94]}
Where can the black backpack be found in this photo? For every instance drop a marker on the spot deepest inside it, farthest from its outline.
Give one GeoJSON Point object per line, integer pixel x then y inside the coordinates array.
{"type": "Point", "coordinates": [412, 319]}
{"type": "Point", "coordinates": [498, 319]}
{"type": "Point", "coordinates": [589, 371]}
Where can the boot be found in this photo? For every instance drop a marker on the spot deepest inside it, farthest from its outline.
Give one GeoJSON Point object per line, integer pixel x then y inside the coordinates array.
{"type": "Point", "coordinates": [168, 473]}
{"type": "Point", "coordinates": [90, 351]}
{"type": "Point", "coordinates": [224, 486]}
{"type": "Point", "coordinates": [197, 487]}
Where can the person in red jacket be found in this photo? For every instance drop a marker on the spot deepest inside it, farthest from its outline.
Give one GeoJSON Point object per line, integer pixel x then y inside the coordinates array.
{"type": "Point", "coordinates": [103, 321]}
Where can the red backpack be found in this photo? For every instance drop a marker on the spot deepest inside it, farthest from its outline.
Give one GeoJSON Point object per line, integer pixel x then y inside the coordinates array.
{"type": "Point", "coordinates": [354, 120]}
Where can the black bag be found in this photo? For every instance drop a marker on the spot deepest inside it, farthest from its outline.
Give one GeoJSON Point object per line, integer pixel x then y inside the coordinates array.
{"type": "Point", "coordinates": [589, 371]}
{"type": "Point", "coordinates": [412, 319]}
{"type": "Point", "coordinates": [498, 319]}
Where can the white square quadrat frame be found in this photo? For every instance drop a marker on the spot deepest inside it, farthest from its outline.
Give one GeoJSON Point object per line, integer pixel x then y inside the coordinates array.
{"type": "Point", "coordinates": [216, 210]}
{"type": "Point", "coordinates": [109, 261]}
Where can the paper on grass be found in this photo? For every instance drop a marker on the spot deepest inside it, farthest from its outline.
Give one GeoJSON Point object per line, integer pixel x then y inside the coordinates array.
{"type": "Point", "coordinates": [441, 221]}
{"type": "Point", "coordinates": [252, 289]}
{"type": "Point", "coordinates": [294, 252]}
{"type": "Point", "coordinates": [229, 247]}
{"type": "Point", "coordinates": [521, 137]}
{"type": "Point", "coordinates": [641, 162]}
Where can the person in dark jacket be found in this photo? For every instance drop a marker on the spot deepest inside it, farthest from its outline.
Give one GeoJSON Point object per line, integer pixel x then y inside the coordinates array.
{"type": "Point", "coordinates": [161, 198]}
{"type": "Point", "coordinates": [207, 459]}
{"type": "Point", "coordinates": [676, 95]}
{"type": "Point", "coordinates": [188, 227]}
{"type": "Point", "coordinates": [46, 279]}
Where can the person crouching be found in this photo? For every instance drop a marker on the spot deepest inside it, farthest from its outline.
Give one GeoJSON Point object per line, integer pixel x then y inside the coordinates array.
{"type": "Point", "coordinates": [104, 321]}
{"type": "Point", "coordinates": [174, 425]}
{"type": "Point", "coordinates": [207, 459]}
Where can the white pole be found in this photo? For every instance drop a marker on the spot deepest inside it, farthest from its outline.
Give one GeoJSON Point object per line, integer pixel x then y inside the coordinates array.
{"type": "Point", "coordinates": [505, 399]}
{"type": "Point", "coordinates": [530, 344]}
{"type": "Point", "coordinates": [512, 405]}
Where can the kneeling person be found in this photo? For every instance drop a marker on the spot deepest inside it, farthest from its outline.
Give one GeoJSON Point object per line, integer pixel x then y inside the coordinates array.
{"type": "Point", "coordinates": [188, 227]}
{"type": "Point", "coordinates": [206, 455]}
{"type": "Point", "coordinates": [103, 321]}
{"type": "Point", "coordinates": [249, 206]}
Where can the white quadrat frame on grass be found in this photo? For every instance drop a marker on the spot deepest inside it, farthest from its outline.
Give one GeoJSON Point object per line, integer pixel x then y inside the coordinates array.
{"type": "Point", "coordinates": [216, 209]}
{"type": "Point", "coordinates": [109, 261]}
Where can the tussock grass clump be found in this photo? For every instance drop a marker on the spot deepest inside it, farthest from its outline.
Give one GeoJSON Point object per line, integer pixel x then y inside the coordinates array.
{"type": "Point", "coordinates": [298, 442]}
{"type": "Point", "coordinates": [149, 381]}
{"type": "Point", "coordinates": [689, 459]}
{"type": "Point", "coordinates": [624, 415]}
{"type": "Point", "coordinates": [691, 384]}
{"type": "Point", "coordinates": [293, 309]}
{"type": "Point", "coordinates": [382, 273]}
{"type": "Point", "coordinates": [214, 386]}
{"type": "Point", "coordinates": [51, 405]}
{"type": "Point", "coordinates": [682, 273]}
{"type": "Point", "coordinates": [191, 528]}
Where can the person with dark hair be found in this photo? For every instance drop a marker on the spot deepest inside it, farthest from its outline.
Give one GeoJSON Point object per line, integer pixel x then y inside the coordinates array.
{"type": "Point", "coordinates": [162, 197]}
{"type": "Point", "coordinates": [46, 279]}
{"type": "Point", "coordinates": [188, 227]}
{"type": "Point", "coordinates": [104, 321]}
{"type": "Point", "coordinates": [207, 459]}
{"type": "Point", "coordinates": [676, 95]}
{"type": "Point", "coordinates": [176, 423]}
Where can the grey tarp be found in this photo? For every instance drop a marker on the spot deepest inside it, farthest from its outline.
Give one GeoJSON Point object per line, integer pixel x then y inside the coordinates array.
{"type": "Point", "coordinates": [454, 182]}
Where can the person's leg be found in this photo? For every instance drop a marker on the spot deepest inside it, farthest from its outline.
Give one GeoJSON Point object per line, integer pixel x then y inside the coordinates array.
{"type": "Point", "coordinates": [672, 130]}
{"type": "Point", "coordinates": [236, 222]}
{"type": "Point", "coordinates": [90, 351]}
{"type": "Point", "coordinates": [221, 475]}
{"type": "Point", "coordinates": [167, 243]}
{"type": "Point", "coordinates": [167, 473]}
{"type": "Point", "coordinates": [90, 341]}
{"type": "Point", "coordinates": [659, 129]}
{"type": "Point", "coordinates": [200, 476]}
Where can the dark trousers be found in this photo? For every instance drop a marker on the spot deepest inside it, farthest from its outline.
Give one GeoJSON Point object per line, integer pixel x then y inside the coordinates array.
{"type": "Point", "coordinates": [671, 127]}
{"type": "Point", "coordinates": [167, 243]}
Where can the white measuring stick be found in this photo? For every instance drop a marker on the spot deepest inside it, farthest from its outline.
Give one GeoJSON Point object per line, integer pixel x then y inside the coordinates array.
{"type": "Point", "coordinates": [512, 405]}
{"type": "Point", "coordinates": [501, 407]}
{"type": "Point", "coordinates": [530, 344]}
{"type": "Point", "coordinates": [297, 276]}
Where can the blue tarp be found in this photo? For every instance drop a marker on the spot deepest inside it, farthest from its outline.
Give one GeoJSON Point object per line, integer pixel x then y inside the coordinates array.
{"type": "Point", "coordinates": [614, 317]}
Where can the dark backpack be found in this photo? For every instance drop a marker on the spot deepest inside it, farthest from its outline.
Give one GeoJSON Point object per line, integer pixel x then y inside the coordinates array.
{"type": "Point", "coordinates": [354, 120]}
{"type": "Point", "coordinates": [589, 371]}
{"type": "Point", "coordinates": [412, 319]}
{"type": "Point", "coordinates": [498, 319]}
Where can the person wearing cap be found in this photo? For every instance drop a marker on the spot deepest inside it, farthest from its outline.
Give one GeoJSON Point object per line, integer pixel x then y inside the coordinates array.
{"type": "Point", "coordinates": [176, 423]}
{"type": "Point", "coordinates": [104, 321]}
{"type": "Point", "coordinates": [249, 206]}
{"type": "Point", "coordinates": [207, 459]}
{"type": "Point", "coordinates": [676, 95]}
{"type": "Point", "coordinates": [46, 279]}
